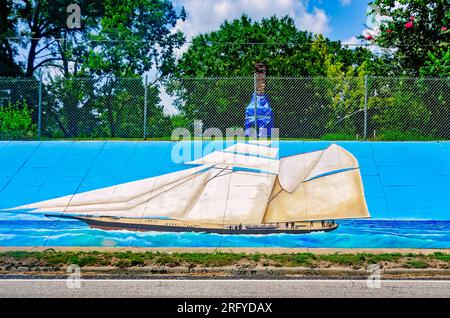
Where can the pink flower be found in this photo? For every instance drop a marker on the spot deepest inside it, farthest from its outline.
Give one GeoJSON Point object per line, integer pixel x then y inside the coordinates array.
{"type": "Point", "coordinates": [444, 28]}
{"type": "Point", "coordinates": [411, 18]}
{"type": "Point", "coordinates": [388, 30]}
{"type": "Point", "coordinates": [409, 25]}
{"type": "Point", "coordinates": [369, 37]}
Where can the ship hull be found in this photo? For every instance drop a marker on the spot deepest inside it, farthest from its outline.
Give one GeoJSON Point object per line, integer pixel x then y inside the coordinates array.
{"type": "Point", "coordinates": [137, 226]}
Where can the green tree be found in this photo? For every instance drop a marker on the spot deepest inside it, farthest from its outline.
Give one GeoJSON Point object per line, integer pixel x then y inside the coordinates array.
{"type": "Point", "coordinates": [416, 29]}
{"type": "Point", "coordinates": [8, 66]}
{"type": "Point", "coordinates": [237, 45]}
{"type": "Point", "coordinates": [396, 107]}
{"type": "Point", "coordinates": [437, 64]}
{"type": "Point", "coordinates": [301, 106]}
{"type": "Point", "coordinates": [15, 122]}
{"type": "Point", "coordinates": [87, 97]}
{"type": "Point", "coordinates": [69, 107]}
{"type": "Point", "coordinates": [133, 38]}
{"type": "Point", "coordinates": [51, 42]}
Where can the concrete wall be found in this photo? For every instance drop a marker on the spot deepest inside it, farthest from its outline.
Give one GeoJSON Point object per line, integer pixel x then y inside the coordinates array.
{"type": "Point", "coordinates": [401, 179]}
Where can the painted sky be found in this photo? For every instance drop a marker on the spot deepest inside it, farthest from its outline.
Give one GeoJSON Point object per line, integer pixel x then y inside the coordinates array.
{"type": "Point", "coordinates": [336, 19]}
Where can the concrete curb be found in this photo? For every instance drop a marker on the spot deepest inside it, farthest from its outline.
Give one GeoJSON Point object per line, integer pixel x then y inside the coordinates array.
{"type": "Point", "coordinates": [228, 271]}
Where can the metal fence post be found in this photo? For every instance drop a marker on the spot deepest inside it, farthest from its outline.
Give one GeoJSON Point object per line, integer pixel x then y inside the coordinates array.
{"type": "Point", "coordinates": [145, 105]}
{"type": "Point", "coordinates": [256, 104]}
{"type": "Point", "coordinates": [40, 106]}
{"type": "Point", "coordinates": [365, 106]}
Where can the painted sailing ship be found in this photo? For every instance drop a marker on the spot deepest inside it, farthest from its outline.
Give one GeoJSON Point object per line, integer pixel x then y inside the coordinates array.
{"type": "Point", "coordinates": [243, 189]}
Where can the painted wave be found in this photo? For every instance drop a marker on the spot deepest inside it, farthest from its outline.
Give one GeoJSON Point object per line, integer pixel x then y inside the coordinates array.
{"type": "Point", "coordinates": [350, 234]}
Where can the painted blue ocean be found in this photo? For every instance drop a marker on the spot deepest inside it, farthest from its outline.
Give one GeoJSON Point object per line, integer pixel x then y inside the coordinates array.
{"type": "Point", "coordinates": [350, 234]}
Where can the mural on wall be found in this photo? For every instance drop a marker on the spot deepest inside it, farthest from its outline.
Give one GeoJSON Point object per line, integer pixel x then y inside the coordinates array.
{"type": "Point", "coordinates": [288, 194]}
{"type": "Point", "coordinates": [270, 196]}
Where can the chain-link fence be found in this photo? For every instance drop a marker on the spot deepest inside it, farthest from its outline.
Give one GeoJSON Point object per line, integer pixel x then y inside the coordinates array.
{"type": "Point", "coordinates": [105, 108]}
{"type": "Point", "coordinates": [408, 108]}
{"type": "Point", "coordinates": [352, 108]}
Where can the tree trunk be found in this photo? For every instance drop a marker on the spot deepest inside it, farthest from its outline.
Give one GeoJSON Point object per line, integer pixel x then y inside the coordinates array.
{"type": "Point", "coordinates": [31, 57]}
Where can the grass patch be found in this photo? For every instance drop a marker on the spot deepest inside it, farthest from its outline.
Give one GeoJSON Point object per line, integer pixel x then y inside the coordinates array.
{"type": "Point", "coordinates": [290, 260]}
{"type": "Point", "coordinates": [256, 257]}
{"type": "Point", "coordinates": [417, 264]}
{"type": "Point", "coordinates": [442, 257]}
{"type": "Point", "coordinates": [51, 258]}
{"type": "Point", "coordinates": [338, 136]}
{"type": "Point", "coordinates": [304, 259]}
{"type": "Point", "coordinates": [344, 259]}
{"type": "Point", "coordinates": [404, 136]}
{"type": "Point", "coordinates": [384, 257]}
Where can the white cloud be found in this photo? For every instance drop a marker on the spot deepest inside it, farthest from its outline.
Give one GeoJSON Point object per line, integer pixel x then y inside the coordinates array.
{"type": "Point", "coordinates": [317, 21]}
{"type": "Point", "coordinates": [168, 102]}
{"type": "Point", "coordinates": [374, 21]}
{"type": "Point", "coordinates": [207, 15]}
{"type": "Point", "coordinates": [345, 2]}
{"type": "Point", "coordinates": [353, 41]}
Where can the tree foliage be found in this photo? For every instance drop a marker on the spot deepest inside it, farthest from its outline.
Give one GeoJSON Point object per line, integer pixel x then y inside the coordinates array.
{"type": "Point", "coordinates": [51, 42]}
{"type": "Point", "coordinates": [417, 33]}
{"type": "Point", "coordinates": [133, 38]}
{"type": "Point", "coordinates": [286, 50]}
{"type": "Point", "coordinates": [95, 86]}
{"type": "Point", "coordinates": [16, 122]}
{"type": "Point", "coordinates": [8, 66]}
{"type": "Point", "coordinates": [84, 94]}
{"type": "Point", "coordinates": [417, 29]}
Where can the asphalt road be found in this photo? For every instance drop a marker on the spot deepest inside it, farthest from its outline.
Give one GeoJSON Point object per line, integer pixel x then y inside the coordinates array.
{"type": "Point", "coordinates": [221, 288]}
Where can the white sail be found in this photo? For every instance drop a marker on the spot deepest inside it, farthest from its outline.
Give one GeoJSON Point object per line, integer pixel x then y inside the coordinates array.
{"type": "Point", "coordinates": [251, 149]}
{"type": "Point", "coordinates": [174, 202]}
{"type": "Point", "coordinates": [311, 186]}
{"type": "Point", "coordinates": [237, 160]}
{"type": "Point", "coordinates": [135, 206]}
{"type": "Point", "coordinates": [319, 185]}
{"type": "Point", "coordinates": [156, 203]}
{"type": "Point", "coordinates": [295, 169]}
{"type": "Point", "coordinates": [335, 196]}
{"type": "Point", "coordinates": [261, 142]}
{"type": "Point", "coordinates": [333, 158]}
{"type": "Point", "coordinates": [233, 198]}
{"type": "Point", "coordinates": [120, 197]}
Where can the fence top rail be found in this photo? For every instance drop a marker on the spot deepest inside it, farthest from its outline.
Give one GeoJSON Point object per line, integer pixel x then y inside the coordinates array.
{"type": "Point", "coordinates": [18, 78]}
{"type": "Point", "coordinates": [409, 77]}
{"type": "Point", "coordinates": [30, 79]}
{"type": "Point", "coordinates": [34, 79]}
{"type": "Point", "coordinates": [311, 77]}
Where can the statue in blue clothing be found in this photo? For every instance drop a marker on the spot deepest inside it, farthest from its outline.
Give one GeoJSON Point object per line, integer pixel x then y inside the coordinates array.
{"type": "Point", "coordinates": [259, 114]}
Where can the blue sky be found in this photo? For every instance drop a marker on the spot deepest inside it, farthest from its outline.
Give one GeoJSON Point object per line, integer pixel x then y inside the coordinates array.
{"type": "Point", "coordinates": [336, 19]}
{"type": "Point", "coordinates": [347, 17]}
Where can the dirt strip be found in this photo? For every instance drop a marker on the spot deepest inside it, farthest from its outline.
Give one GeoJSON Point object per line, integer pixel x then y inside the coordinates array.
{"type": "Point", "coordinates": [247, 250]}
{"type": "Point", "coordinates": [227, 272]}
{"type": "Point", "coordinates": [237, 262]}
